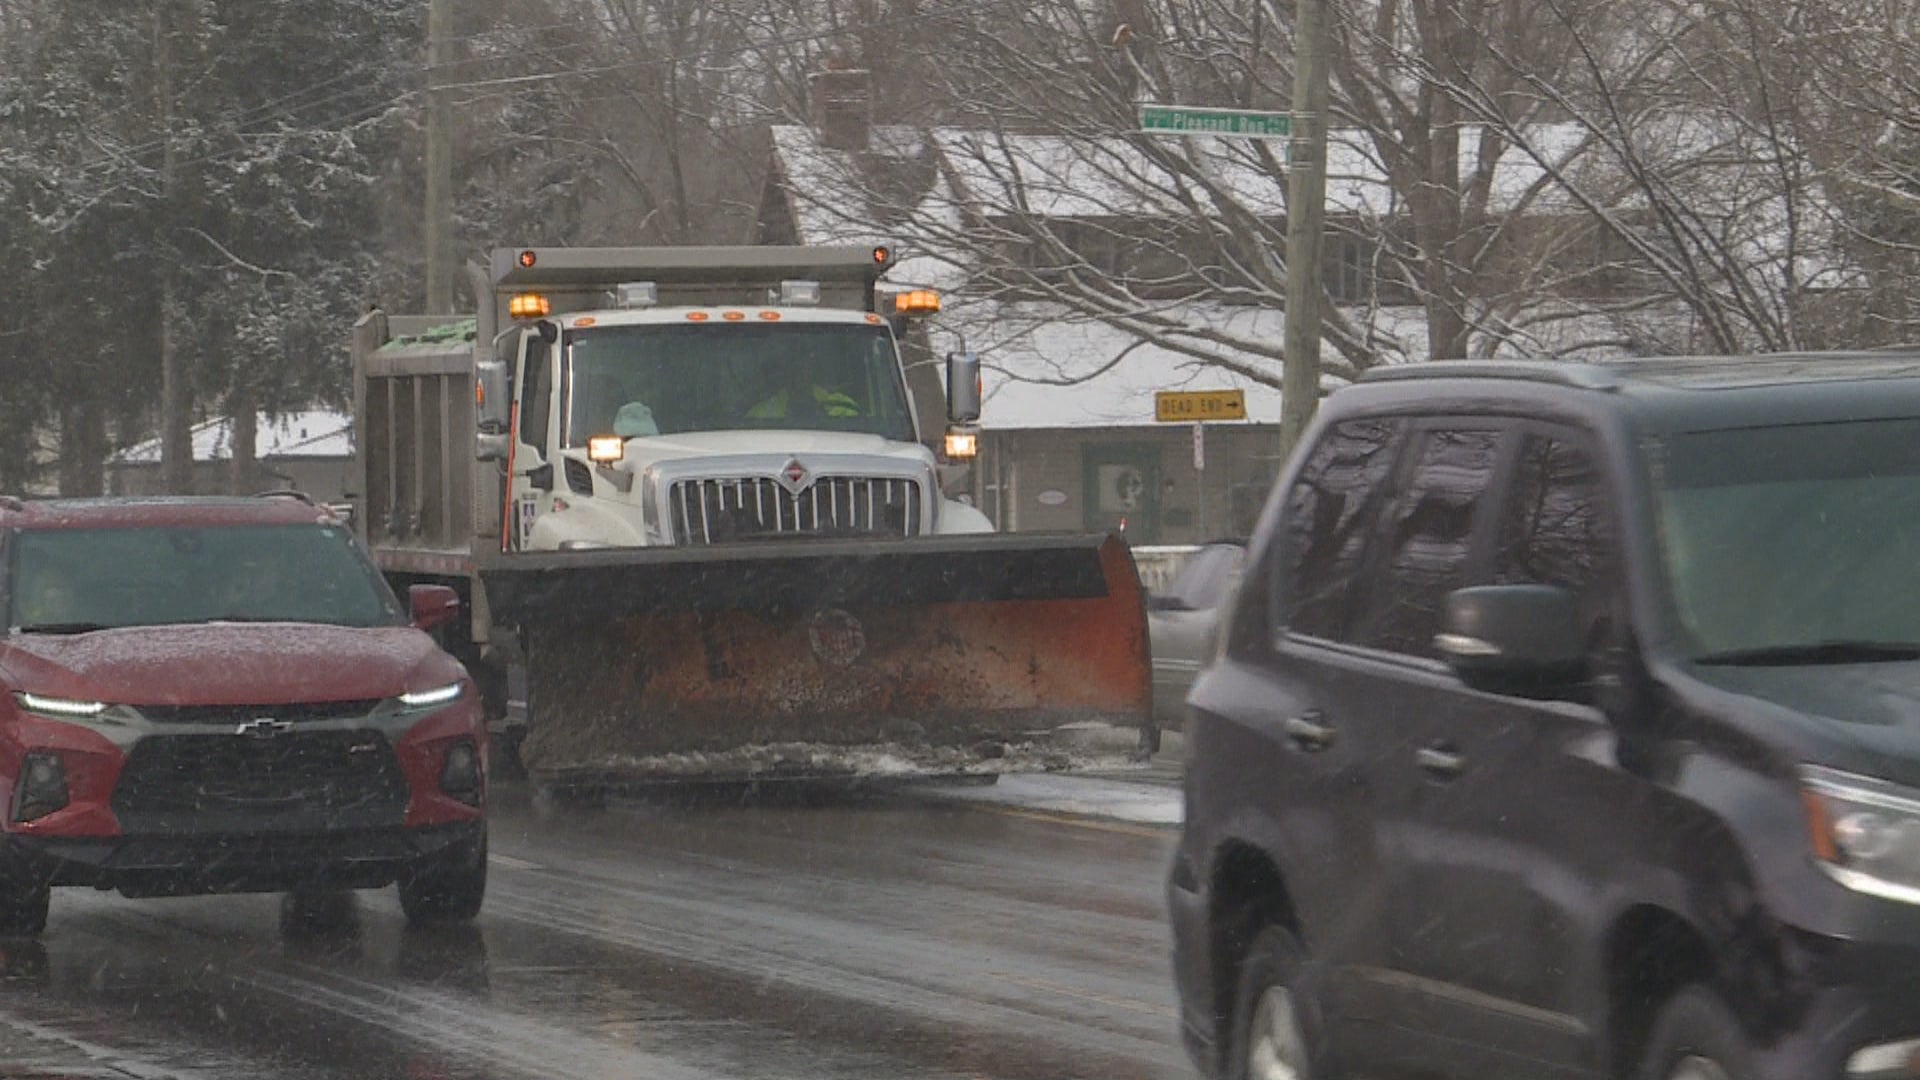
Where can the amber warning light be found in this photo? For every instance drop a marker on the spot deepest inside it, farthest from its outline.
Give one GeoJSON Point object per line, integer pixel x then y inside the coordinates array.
{"type": "Point", "coordinates": [529, 306]}
{"type": "Point", "coordinates": [917, 302]}
{"type": "Point", "coordinates": [528, 258]}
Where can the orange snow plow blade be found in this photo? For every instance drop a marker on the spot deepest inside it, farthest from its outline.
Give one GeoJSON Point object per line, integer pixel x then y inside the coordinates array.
{"type": "Point", "coordinates": [941, 656]}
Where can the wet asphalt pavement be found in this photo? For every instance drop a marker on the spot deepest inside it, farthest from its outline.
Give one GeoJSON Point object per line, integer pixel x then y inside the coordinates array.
{"type": "Point", "coordinates": [882, 936]}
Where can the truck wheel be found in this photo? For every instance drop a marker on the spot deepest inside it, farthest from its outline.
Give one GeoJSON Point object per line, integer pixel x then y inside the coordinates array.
{"type": "Point", "coordinates": [1277, 1029]}
{"type": "Point", "coordinates": [1695, 1037]}
{"type": "Point", "coordinates": [24, 902]}
{"type": "Point", "coordinates": [505, 761]}
{"type": "Point", "coordinates": [447, 886]}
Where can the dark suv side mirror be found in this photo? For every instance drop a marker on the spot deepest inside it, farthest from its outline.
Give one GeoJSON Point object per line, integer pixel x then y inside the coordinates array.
{"type": "Point", "coordinates": [1513, 638]}
{"type": "Point", "coordinates": [432, 605]}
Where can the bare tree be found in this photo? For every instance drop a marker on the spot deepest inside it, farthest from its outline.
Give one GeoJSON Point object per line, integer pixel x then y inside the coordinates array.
{"type": "Point", "coordinates": [1528, 178]}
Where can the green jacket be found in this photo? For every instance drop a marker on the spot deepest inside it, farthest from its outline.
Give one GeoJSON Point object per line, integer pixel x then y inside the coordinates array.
{"type": "Point", "coordinates": [831, 402]}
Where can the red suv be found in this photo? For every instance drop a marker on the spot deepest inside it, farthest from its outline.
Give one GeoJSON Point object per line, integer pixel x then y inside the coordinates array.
{"type": "Point", "coordinates": [223, 695]}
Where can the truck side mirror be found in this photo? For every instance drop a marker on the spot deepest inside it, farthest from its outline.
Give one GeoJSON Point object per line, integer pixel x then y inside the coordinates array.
{"type": "Point", "coordinates": [963, 387]}
{"type": "Point", "coordinates": [490, 446]}
{"type": "Point", "coordinates": [492, 395]}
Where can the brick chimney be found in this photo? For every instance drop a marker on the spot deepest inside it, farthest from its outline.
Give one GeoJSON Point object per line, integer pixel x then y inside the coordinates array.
{"type": "Point", "coordinates": [842, 107]}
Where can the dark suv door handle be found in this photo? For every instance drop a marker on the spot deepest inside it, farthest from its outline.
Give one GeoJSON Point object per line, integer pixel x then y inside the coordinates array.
{"type": "Point", "coordinates": [1309, 732]}
{"type": "Point", "coordinates": [1443, 762]}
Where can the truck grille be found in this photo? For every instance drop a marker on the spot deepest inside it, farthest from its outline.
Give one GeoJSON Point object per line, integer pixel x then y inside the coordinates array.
{"type": "Point", "coordinates": [756, 508]}
{"type": "Point", "coordinates": [308, 771]}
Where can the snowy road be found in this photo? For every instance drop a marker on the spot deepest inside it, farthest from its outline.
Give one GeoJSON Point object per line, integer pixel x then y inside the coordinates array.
{"type": "Point", "coordinates": [885, 936]}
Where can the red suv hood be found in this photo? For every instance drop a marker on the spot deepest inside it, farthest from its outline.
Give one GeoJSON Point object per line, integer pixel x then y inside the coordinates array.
{"type": "Point", "coordinates": [227, 664]}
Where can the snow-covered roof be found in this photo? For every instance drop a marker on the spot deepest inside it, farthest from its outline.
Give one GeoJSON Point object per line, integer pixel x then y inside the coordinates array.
{"type": "Point", "coordinates": [1062, 177]}
{"type": "Point", "coordinates": [313, 433]}
{"type": "Point", "coordinates": [828, 194]}
{"type": "Point", "coordinates": [1051, 366]}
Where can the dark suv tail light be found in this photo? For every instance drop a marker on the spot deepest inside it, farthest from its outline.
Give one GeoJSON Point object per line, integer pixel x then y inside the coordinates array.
{"type": "Point", "coordinates": [41, 788]}
{"type": "Point", "coordinates": [460, 774]}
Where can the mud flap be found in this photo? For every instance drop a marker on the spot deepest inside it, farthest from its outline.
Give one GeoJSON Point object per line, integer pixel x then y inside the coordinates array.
{"type": "Point", "coordinates": [830, 658]}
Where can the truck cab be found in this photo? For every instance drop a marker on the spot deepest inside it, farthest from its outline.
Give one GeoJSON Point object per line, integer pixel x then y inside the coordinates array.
{"type": "Point", "coordinates": [640, 402]}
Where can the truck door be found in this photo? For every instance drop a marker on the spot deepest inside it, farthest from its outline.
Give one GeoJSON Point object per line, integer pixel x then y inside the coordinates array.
{"type": "Point", "coordinates": [530, 489]}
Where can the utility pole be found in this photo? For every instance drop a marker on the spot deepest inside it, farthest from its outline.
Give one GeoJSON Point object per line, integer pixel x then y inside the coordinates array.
{"type": "Point", "coordinates": [1306, 222]}
{"type": "Point", "coordinates": [176, 391]}
{"type": "Point", "coordinates": [439, 224]}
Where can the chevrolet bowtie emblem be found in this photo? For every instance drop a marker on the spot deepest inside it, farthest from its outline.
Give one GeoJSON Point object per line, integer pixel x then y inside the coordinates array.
{"type": "Point", "coordinates": [264, 728]}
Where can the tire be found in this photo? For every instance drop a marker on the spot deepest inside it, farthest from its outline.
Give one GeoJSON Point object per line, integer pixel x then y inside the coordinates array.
{"type": "Point", "coordinates": [1695, 1037]}
{"type": "Point", "coordinates": [1278, 1032]}
{"type": "Point", "coordinates": [23, 905]}
{"type": "Point", "coordinates": [447, 886]}
{"type": "Point", "coordinates": [504, 762]}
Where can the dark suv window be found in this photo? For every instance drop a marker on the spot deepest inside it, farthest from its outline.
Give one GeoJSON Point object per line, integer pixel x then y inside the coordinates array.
{"type": "Point", "coordinates": [1202, 583]}
{"type": "Point", "coordinates": [1553, 530]}
{"type": "Point", "coordinates": [1429, 539]}
{"type": "Point", "coordinates": [1331, 508]}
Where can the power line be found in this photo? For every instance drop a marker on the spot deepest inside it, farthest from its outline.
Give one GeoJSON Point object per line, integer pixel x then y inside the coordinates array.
{"type": "Point", "coordinates": [289, 101]}
{"type": "Point", "coordinates": [773, 42]}
{"type": "Point", "coordinates": [354, 117]}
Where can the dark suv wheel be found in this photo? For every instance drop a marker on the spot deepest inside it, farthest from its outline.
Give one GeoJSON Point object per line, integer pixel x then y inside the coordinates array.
{"type": "Point", "coordinates": [1696, 1038]}
{"type": "Point", "coordinates": [447, 886]}
{"type": "Point", "coordinates": [1277, 1032]}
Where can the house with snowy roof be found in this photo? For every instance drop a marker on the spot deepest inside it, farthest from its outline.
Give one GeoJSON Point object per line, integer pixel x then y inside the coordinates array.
{"type": "Point", "coordinates": [1085, 270]}
{"type": "Point", "coordinates": [1069, 439]}
{"type": "Point", "coordinates": [309, 450]}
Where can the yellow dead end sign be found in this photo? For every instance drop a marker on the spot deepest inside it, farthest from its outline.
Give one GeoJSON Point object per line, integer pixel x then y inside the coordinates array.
{"type": "Point", "coordinates": [1199, 406]}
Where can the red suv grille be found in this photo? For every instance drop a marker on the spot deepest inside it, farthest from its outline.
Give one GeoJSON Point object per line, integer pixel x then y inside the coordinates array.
{"type": "Point", "coordinates": [304, 772]}
{"type": "Point", "coordinates": [302, 713]}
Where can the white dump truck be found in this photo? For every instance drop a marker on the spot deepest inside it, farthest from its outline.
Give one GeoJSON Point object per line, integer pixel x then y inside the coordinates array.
{"type": "Point", "coordinates": [691, 500]}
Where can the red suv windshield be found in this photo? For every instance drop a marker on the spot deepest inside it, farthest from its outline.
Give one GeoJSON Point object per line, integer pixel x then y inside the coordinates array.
{"type": "Point", "coordinates": [74, 580]}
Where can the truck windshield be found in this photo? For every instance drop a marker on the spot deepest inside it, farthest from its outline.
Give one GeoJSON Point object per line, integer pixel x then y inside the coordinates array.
{"type": "Point", "coordinates": [1787, 538]}
{"type": "Point", "coordinates": [672, 379]}
{"type": "Point", "coordinates": [75, 580]}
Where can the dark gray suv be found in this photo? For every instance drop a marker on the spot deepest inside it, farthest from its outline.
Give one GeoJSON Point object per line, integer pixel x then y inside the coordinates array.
{"type": "Point", "coordinates": [1568, 724]}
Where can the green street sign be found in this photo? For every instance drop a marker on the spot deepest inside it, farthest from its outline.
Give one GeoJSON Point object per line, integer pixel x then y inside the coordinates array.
{"type": "Point", "coordinates": [1243, 123]}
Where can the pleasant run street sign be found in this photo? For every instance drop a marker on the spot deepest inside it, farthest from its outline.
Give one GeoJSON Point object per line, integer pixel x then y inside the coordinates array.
{"type": "Point", "coordinates": [1242, 123]}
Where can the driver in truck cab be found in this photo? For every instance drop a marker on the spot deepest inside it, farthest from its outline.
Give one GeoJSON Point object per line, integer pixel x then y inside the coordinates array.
{"type": "Point", "coordinates": [802, 397]}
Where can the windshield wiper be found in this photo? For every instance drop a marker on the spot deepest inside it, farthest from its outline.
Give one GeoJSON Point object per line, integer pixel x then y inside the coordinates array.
{"type": "Point", "coordinates": [63, 628]}
{"type": "Point", "coordinates": [1816, 652]}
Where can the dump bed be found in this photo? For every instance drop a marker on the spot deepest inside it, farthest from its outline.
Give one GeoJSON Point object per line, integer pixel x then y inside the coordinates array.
{"type": "Point", "coordinates": [425, 504]}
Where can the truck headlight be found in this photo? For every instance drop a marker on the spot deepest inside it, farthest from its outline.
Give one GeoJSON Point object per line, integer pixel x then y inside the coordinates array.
{"type": "Point", "coordinates": [1865, 832]}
